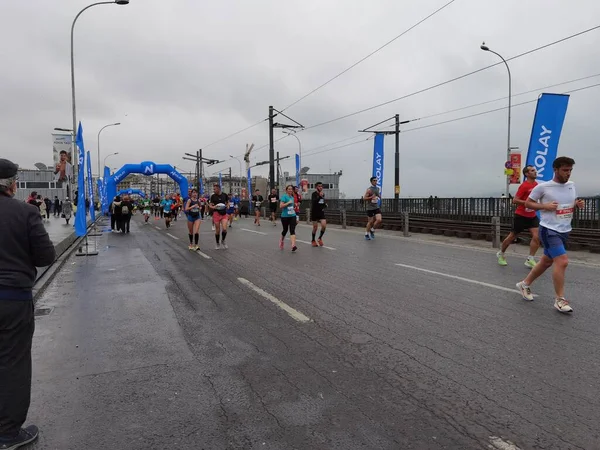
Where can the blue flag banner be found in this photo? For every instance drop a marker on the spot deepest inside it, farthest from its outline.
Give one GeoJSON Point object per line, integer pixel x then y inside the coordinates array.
{"type": "Point", "coordinates": [378, 161]}
{"type": "Point", "coordinates": [249, 191]}
{"type": "Point", "coordinates": [220, 181]}
{"type": "Point", "coordinates": [200, 186]}
{"type": "Point", "coordinates": [297, 170]}
{"type": "Point", "coordinates": [545, 134]}
{"type": "Point", "coordinates": [100, 186]}
{"type": "Point", "coordinates": [80, 215]}
{"type": "Point", "coordinates": [90, 185]}
{"type": "Point", "coordinates": [105, 200]}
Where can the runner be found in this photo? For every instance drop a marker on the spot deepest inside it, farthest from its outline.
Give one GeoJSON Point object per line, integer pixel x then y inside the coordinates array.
{"type": "Point", "coordinates": [297, 202]}
{"type": "Point", "coordinates": [166, 206]}
{"type": "Point", "coordinates": [156, 207]}
{"type": "Point", "coordinates": [218, 206]}
{"type": "Point", "coordinates": [288, 217]}
{"type": "Point", "coordinates": [273, 198]}
{"type": "Point", "coordinates": [556, 199]}
{"type": "Point", "coordinates": [146, 205]}
{"type": "Point", "coordinates": [525, 219]}
{"type": "Point", "coordinates": [317, 212]}
{"type": "Point", "coordinates": [257, 199]}
{"type": "Point", "coordinates": [236, 202]}
{"type": "Point", "coordinates": [192, 212]}
{"type": "Point", "coordinates": [372, 199]}
{"type": "Point", "coordinates": [230, 209]}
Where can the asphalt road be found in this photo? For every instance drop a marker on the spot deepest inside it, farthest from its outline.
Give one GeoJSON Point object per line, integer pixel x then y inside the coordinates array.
{"type": "Point", "coordinates": [388, 344]}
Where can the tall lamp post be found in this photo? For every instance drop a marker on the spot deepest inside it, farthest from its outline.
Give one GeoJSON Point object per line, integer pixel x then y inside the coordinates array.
{"type": "Point", "coordinates": [105, 126]}
{"type": "Point", "coordinates": [485, 48]}
{"type": "Point", "coordinates": [112, 154]}
{"type": "Point", "coordinates": [240, 163]}
{"type": "Point", "coordinates": [75, 158]}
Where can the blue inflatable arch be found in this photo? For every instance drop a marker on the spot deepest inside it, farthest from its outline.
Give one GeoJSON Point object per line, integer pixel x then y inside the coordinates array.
{"type": "Point", "coordinates": [147, 168]}
{"type": "Point", "coordinates": [132, 192]}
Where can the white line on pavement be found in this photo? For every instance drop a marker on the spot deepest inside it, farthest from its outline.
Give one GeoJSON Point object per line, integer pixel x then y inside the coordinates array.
{"type": "Point", "coordinates": [455, 277]}
{"type": "Point", "coordinates": [158, 228]}
{"type": "Point", "coordinates": [174, 237]}
{"type": "Point", "coordinates": [204, 255]}
{"type": "Point", "coordinates": [253, 231]}
{"type": "Point", "coordinates": [309, 243]}
{"type": "Point", "coordinates": [294, 314]}
{"type": "Point", "coordinates": [501, 444]}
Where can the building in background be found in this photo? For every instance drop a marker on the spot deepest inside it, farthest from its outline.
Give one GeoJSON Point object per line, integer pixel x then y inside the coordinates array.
{"type": "Point", "coordinates": [331, 182]}
{"type": "Point", "coordinates": [42, 181]}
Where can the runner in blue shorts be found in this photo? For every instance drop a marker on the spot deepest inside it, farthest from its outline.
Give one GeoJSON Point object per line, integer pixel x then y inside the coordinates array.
{"type": "Point", "coordinates": [230, 211]}
{"type": "Point", "coordinates": [556, 199]}
{"type": "Point", "coordinates": [192, 212]}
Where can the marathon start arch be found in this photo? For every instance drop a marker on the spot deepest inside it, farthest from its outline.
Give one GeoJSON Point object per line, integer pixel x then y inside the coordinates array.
{"type": "Point", "coordinates": [132, 192]}
{"type": "Point", "coordinates": [147, 168]}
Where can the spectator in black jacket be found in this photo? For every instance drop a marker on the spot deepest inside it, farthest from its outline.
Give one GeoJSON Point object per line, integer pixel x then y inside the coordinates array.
{"type": "Point", "coordinates": [25, 246]}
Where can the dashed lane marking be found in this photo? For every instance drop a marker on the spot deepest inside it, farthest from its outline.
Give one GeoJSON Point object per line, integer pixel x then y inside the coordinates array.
{"type": "Point", "coordinates": [174, 237]}
{"type": "Point", "coordinates": [294, 314]}
{"type": "Point", "coordinates": [501, 444]}
{"type": "Point", "coordinates": [455, 277]}
{"type": "Point", "coordinates": [204, 255]}
{"type": "Point", "coordinates": [158, 228]}
{"type": "Point", "coordinates": [253, 231]}
{"type": "Point", "coordinates": [309, 243]}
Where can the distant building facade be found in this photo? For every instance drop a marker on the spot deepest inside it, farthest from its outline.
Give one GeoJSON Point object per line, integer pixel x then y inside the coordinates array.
{"type": "Point", "coordinates": [331, 182]}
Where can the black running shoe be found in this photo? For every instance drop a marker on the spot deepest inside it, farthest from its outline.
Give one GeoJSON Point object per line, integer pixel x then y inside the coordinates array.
{"type": "Point", "coordinates": [25, 436]}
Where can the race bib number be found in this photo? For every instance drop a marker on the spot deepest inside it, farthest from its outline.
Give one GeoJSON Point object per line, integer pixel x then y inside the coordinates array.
{"type": "Point", "coordinates": [564, 211]}
{"type": "Point", "coordinates": [257, 204]}
{"type": "Point", "coordinates": [291, 211]}
{"type": "Point", "coordinates": [321, 201]}
{"type": "Point", "coordinates": [231, 205]}
{"type": "Point", "coordinates": [273, 200]}
{"type": "Point", "coordinates": [375, 200]}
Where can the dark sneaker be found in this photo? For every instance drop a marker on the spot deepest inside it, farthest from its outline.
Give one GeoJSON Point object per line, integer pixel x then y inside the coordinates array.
{"type": "Point", "coordinates": [25, 436]}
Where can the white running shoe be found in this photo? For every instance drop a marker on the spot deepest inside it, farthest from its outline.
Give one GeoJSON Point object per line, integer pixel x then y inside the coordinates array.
{"type": "Point", "coordinates": [217, 246]}
{"type": "Point", "coordinates": [224, 245]}
{"type": "Point", "coordinates": [525, 291]}
{"type": "Point", "coordinates": [562, 305]}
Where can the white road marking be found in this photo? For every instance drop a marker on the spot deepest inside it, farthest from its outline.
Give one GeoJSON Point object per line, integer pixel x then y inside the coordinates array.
{"type": "Point", "coordinates": [309, 243]}
{"type": "Point", "coordinates": [253, 231]}
{"type": "Point", "coordinates": [158, 228]}
{"type": "Point", "coordinates": [294, 314]}
{"type": "Point", "coordinates": [455, 277]}
{"type": "Point", "coordinates": [204, 255]}
{"type": "Point", "coordinates": [501, 444]}
{"type": "Point", "coordinates": [174, 237]}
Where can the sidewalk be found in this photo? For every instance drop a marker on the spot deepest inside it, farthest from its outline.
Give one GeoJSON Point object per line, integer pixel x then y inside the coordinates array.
{"type": "Point", "coordinates": [112, 368]}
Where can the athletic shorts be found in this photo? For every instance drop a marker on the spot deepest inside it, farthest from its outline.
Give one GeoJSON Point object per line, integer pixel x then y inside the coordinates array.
{"type": "Point", "coordinates": [191, 218]}
{"type": "Point", "coordinates": [553, 242]}
{"type": "Point", "coordinates": [273, 207]}
{"type": "Point", "coordinates": [521, 223]}
{"type": "Point", "coordinates": [147, 211]}
{"type": "Point", "coordinates": [317, 216]}
{"type": "Point", "coordinates": [219, 216]}
{"type": "Point", "coordinates": [373, 212]}
{"type": "Point", "coordinates": [166, 214]}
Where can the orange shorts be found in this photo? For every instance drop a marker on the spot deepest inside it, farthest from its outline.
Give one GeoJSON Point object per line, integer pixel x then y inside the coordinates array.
{"type": "Point", "coordinates": [218, 217]}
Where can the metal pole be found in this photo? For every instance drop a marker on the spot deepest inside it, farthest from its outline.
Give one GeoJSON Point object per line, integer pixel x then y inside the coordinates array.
{"type": "Point", "coordinates": [201, 167]}
{"type": "Point", "coordinates": [230, 182]}
{"type": "Point", "coordinates": [397, 164]}
{"type": "Point", "coordinates": [271, 151]}
{"type": "Point", "coordinates": [198, 170]}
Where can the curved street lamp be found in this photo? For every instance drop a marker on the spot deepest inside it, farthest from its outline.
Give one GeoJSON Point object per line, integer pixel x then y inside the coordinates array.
{"type": "Point", "coordinates": [73, 104]}
{"type": "Point", "coordinates": [485, 48]}
{"type": "Point", "coordinates": [112, 154]}
{"type": "Point", "coordinates": [105, 126]}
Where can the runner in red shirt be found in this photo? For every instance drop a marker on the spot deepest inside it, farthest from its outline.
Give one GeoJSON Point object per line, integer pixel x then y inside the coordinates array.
{"type": "Point", "coordinates": [525, 219]}
{"type": "Point", "coordinates": [297, 202]}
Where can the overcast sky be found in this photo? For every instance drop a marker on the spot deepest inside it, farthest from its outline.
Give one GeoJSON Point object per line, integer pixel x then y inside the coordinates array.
{"type": "Point", "coordinates": [181, 74]}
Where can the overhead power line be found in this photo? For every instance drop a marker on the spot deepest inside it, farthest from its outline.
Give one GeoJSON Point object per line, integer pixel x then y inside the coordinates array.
{"type": "Point", "coordinates": [443, 83]}
{"type": "Point", "coordinates": [369, 55]}
{"type": "Point", "coordinates": [235, 134]}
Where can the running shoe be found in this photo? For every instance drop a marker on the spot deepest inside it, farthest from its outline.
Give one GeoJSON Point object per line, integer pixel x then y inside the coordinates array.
{"type": "Point", "coordinates": [367, 237]}
{"type": "Point", "coordinates": [314, 243]}
{"type": "Point", "coordinates": [217, 246]}
{"type": "Point", "coordinates": [501, 259]}
{"type": "Point", "coordinates": [191, 247]}
{"type": "Point", "coordinates": [530, 262]}
{"type": "Point", "coordinates": [294, 248]}
{"type": "Point", "coordinates": [224, 245]}
{"type": "Point", "coordinates": [321, 243]}
{"type": "Point", "coordinates": [281, 243]}
{"type": "Point", "coordinates": [196, 248]}
{"type": "Point", "coordinates": [525, 291]}
{"type": "Point", "coordinates": [562, 305]}
{"type": "Point", "coordinates": [25, 436]}
{"type": "Point", "coordinates": [372, 234]}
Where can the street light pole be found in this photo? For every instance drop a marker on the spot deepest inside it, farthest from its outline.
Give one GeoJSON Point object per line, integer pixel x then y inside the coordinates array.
{"type": "Point", "coordinates": [112, 154]}
{"type": "Point", "coordinates": [240, 163]}
{"type": "Point", "coordinates": [106, 126]}
{"type": "Point", "coordinates": [485, 48]}
{"type": "Point", "coordinates": [74, 157]}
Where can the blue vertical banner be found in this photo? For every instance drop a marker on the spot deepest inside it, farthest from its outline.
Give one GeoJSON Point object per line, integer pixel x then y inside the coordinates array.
{"type": "Point", "coordinates": [297, 170]}
{"type": "Point", "coordinates": [200, 187]}
{"type": "Point", "coordinates": [80, 215]}
{"type": "Point", "coordinates": [547, 125]}
{"type": "Point", "coordinates": [106, 201]}
{"type": "Point", "coordinates": [90, 186]}
{"type": "Point", "coordinates": [249, 191]}
{"type": "Point", "coordinates": [220, 181]}
{"type": "Point", "coordinates": [378, 162]}
{"type": "Point", "coordinates": [100, 186]}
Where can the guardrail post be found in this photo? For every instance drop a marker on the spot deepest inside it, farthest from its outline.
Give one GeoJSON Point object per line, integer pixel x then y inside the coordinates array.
{"type": "Point", "coordinates": [343, 211]}
{"type": "Point", "coordinates": [308, 216]}
{"type": "Point", "coordinates": [263, 212]}
{"type": "Point", "coordinates": [496, 232]}
{"type": "Point", "coordinates": [405, 227]}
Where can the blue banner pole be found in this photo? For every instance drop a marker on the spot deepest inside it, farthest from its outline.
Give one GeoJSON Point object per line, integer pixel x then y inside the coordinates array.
{"type": "Point", "coordinates": [378, 162]}
{"type": "Point", "coordinates": [249, 191]}
{"type": "Point", "coordinates": [80, 216]}
{"type": "Point", "coordinates": [549, 118]}
{"type": "Point", "coordinates": [90, 184]}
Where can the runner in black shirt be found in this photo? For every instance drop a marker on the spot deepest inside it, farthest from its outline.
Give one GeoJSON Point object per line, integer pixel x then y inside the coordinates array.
{"type": "Point", "coordinates": [273, 198]}
{"type": "Point", "coordinates": [218, 205]}
{"type": "Point", "coordinates": [257, 200]}
{"type": "Point", "coordinates": [317, 212]}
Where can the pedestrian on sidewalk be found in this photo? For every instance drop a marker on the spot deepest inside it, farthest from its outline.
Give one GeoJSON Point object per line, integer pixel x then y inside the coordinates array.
{"type": "Point", "coordinates": [25, 246]}
{"type": "Point", "coordinates": [126, 212]}
{"type": "Point", "coordinates": [116, 213]}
